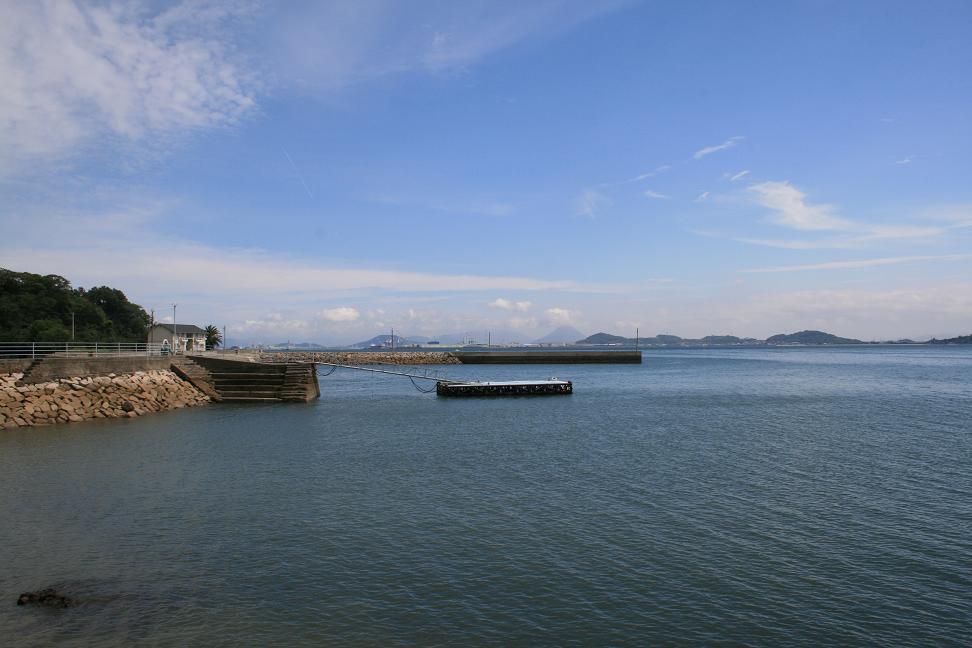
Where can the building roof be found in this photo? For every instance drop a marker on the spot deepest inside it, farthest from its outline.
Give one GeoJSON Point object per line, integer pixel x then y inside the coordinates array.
{"type": "Point", "coordinates": [184, 329]}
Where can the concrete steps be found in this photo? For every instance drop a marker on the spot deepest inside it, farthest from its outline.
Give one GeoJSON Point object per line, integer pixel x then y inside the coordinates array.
{"type": "Point", "coordinates": [234, 380]}
{"type": "Point", "coordinates": [196, 375]}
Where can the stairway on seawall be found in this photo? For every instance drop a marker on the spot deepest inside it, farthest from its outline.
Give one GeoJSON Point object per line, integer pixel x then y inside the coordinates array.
{"type": "Point", "coordinates": [197, 375]}
{"type": "Point", "coordinates": [235, 380]}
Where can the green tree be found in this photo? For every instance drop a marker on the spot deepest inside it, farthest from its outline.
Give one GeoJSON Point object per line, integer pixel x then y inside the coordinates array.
{"type": "Point", "coordinates": [39, 308]}
{"type": "Point", "coordinates": [213, 337]}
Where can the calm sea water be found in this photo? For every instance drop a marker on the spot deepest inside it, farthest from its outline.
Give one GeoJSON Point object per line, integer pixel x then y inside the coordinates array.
{"type": "Point", "coordinates": [738, 497]}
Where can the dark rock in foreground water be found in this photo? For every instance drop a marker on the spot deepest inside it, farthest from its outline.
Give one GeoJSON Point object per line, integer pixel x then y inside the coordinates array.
{"type": "Point", "coordinates": [46, 597]}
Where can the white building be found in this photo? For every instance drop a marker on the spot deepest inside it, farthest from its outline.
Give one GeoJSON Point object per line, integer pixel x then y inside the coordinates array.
{"type": "Point", "coordinates": [185, 337]}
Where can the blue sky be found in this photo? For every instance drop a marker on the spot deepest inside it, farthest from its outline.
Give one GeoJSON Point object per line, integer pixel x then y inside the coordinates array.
{"type": "Point", "coordinates": [325, 171]}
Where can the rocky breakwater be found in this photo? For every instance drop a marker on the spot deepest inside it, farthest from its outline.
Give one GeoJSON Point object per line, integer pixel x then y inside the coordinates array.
{"type": "Point", "coordinates": [70, 400]}
{"type": "Point", "coordinates": [364, 357]}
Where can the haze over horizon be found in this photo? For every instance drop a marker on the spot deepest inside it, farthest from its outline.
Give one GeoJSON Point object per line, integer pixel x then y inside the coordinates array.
{"type": "Point", "coordinates": [326, 171]}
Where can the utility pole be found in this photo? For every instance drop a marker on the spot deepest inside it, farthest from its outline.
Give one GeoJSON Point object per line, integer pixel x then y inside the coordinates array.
{"type": "Point", "coordinates": [393, 338]}
{"type": "Point", "coordinates": [636, 338]}
{"type": "Point", "coordinates": [72, 326]}
{"type": "Point", "coordinates": [175, 329]}
{"type": "Point", "coordinates": [224, 336]}
{"type": "Point", "coordinates": [489, 339]}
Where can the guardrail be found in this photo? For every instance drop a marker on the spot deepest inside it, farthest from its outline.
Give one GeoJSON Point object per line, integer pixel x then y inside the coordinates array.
{"type": "Point", "coordinates": [78, 349]}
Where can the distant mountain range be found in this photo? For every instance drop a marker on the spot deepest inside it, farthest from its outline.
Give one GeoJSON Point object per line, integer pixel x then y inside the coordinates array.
{"type": "Point", "coordinates": [568, 335]}
{"type": "Point", "coordinates": [802, 337]}
{"type": "Point", "coordinates": [667, 340]}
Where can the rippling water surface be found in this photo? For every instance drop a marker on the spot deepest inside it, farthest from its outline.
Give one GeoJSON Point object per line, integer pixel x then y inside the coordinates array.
{"type": "Point", "coordinates": [760, 497]}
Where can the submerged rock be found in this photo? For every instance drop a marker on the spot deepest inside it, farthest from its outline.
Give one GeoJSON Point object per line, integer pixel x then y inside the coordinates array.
{"type": "Point", "coordinates": [46, 597]}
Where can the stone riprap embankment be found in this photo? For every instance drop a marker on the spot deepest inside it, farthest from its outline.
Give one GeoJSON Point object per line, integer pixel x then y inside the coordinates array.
{"type": "Point", "coordinates": [71, 400]}
{"type": "Point", "coordinates": [363, 357]}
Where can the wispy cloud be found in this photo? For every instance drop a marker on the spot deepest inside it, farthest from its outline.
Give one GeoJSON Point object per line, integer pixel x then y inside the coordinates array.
{"type": "Point", "coordinates": [590, 203]}
{"type": "Point", "coordinates": [904, 160]}
{"type": "Point", "coordinates": [505, 304]}
{"type": "Point", "coordinates": [328, 46]}
{"type": "Point", "coordinates": [790, 208]}
{"type": "Point", "coordinates": [702, 197]}
{"type": "Point", "coordinates": [638, 178]}
{"type": "Point", "coordinates": [825, 244]}
{"type": "Point", "coordinates": [862, 235]}
{"type": "Point", "coordinates": [80, 75]}
{"type": "Point", "coordinates": [736, 176]}
{"type": "Point", "coordinates": [866, 263]}
{"type": "Point", "coordinates": [658, 196]}
{"type": "Point", "coordinates": [299, 176]}
{"type": "Point", "coordinates": [709, 150]}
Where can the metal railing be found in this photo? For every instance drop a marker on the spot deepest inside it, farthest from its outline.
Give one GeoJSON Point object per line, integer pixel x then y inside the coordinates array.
{"type": "Point", "coordinates": [78, 349]}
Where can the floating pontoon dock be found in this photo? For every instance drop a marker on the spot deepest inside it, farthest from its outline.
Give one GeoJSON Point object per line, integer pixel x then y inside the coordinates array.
{"type": "Point", "coordinates": [508, 388]}
{"type": "Point", "coordinates": [444, 387]}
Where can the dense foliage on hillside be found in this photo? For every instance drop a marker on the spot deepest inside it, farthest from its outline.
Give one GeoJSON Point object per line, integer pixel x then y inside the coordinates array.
{"type": "Point", "coordinates": [38, 308]}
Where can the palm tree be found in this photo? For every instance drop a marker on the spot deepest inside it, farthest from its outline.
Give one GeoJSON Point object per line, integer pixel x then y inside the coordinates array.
{"type": "Point", "coordinates": [213, 337]}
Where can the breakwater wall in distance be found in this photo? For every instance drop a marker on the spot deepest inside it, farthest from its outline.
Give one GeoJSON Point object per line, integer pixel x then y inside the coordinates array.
{"type": "Point", "coordinates": [363, 357]}
{"type": "Point", "coordinates": [454, 357]}
{"type": "Point", "coordinates": [81, 398]}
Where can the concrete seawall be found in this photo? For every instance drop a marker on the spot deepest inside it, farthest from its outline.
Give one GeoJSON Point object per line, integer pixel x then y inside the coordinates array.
{"type": "Point", "coordinates": [455, 357]}
{"type": "Point", "coordinates": [75, 399]}
{"type": "Point", "coordinates": [55, 368]}
{"type": "Point", "coordinates": [363, 357]}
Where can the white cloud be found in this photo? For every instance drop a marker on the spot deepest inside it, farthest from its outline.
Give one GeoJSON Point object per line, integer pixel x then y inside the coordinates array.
{"type": "Point", "coordinates": [906, 160]}
{"type": "Point", "coordinates": [866, 263]}
{"type": "Point", "coordinates": [737, 176]}
{"type": "Point", "coordinates": [340, 314]}
{"type": "Point", "coordinates": [590, 203]}
{"type": "Point", "coordinates": [74, 75]}
{"type": "Point", "coordinates": [505, 304]}
{"type": "Point", "coordinates": [790, 208]}
{"type": "Point", "coordinates": [656, 195]}
{"type": "Point", "coordinates": [708, 150]}
{"type": "Point", "coordinates": [560, 315]}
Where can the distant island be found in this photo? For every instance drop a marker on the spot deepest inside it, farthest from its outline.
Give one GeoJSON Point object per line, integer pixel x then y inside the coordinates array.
{"type": "Point", "coordinates": [810, 337]}
{"type": "Point", "coordinates": [962, 339]}
{"type": "Point", "coordinates": [800, 338]}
